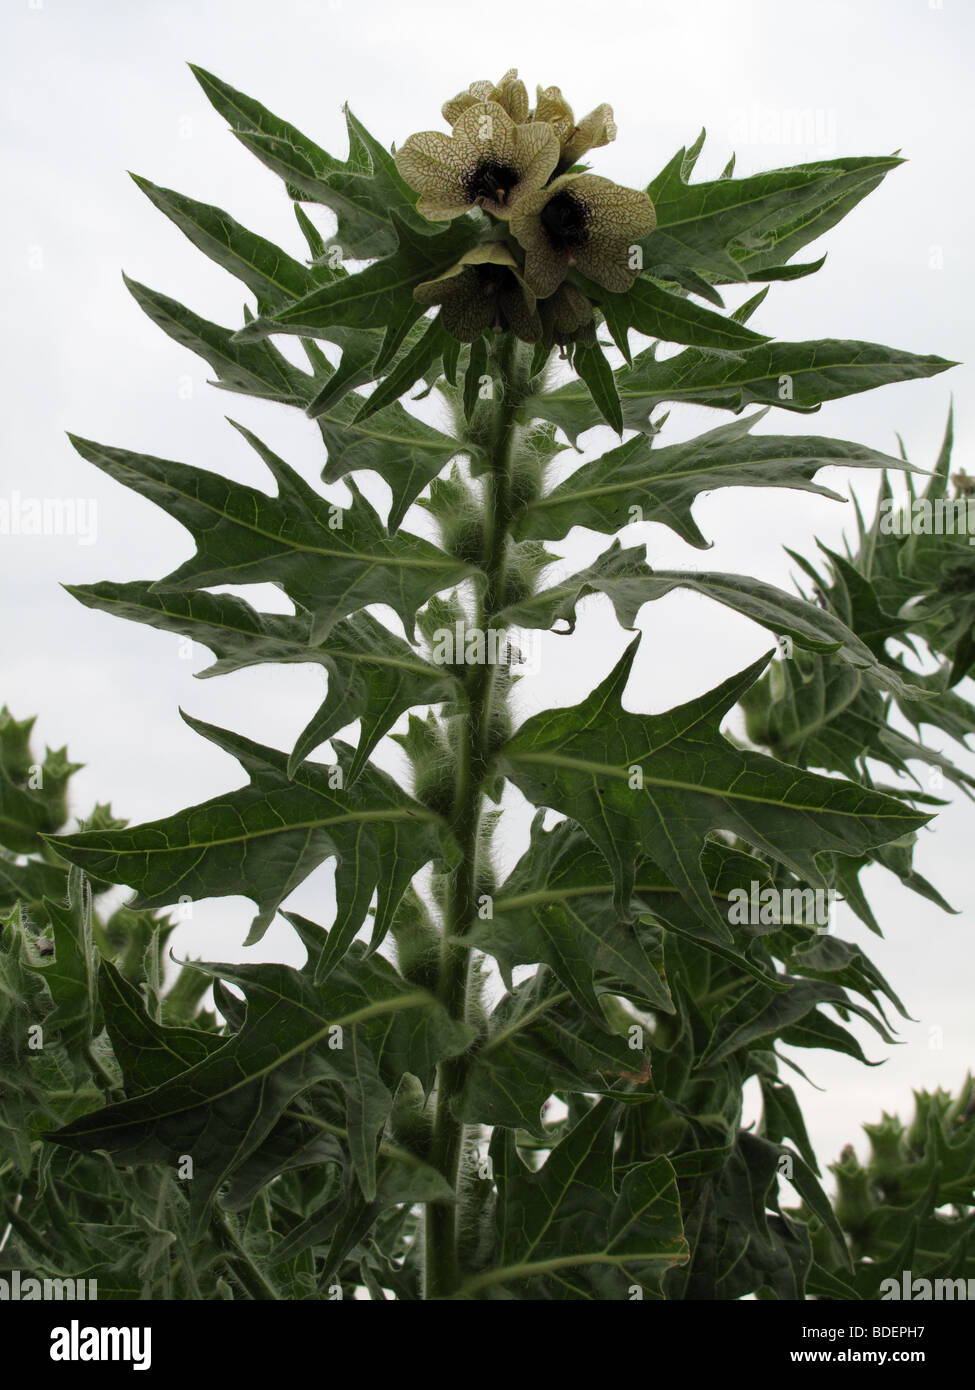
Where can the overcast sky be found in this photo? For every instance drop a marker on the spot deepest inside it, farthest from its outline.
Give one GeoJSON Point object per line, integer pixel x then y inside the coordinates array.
{"type": "Point", "coordinates": [92, 89]}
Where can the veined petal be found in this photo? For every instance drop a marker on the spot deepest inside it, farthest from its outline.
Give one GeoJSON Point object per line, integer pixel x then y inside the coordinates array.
{"type": "Point", "coordinates": [510, 93]}
{"type": "Point", "coordinates": [488, 252]}
{"type": "Point", "coordinates": [504, 160]}
{"type": "Point", "coordinates": [567, 317]}
{"type": "Point", "coordinates": [594, 130]}
{"type": "Point", "coordinates": [452, 110]}
{"type": "Point", "coordinates": [583, 220]}
{"type": "Point", "coordinates": [552, 107]}
{"type": "Point", "coordinates": [488, 160]}
{"type": "Point", "coordinates": [619, 217]}
{"type": "Point", "coordinates": [483, 290]}
{"type": "Point", "coordinates": [519, 311]}
{"type": "Point", "coordinates": [432, 163]}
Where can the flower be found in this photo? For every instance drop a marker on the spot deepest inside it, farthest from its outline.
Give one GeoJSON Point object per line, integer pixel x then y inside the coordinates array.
{"type": "Point", "coordinates": [488, 160]}
{"type": "Point", "coordinates": [509, 93]}
{"type": "Point", "coordinates": [483, 290]}
{"type": "Point", "coordinates": [567, 317]}
{"type": "Point", "coordinates": [594, 130]}
{"type": "Point", "coordinates": [582, 220]}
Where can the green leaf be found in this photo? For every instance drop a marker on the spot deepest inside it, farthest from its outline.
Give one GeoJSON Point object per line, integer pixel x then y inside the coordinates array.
{"type": "Point", "coordinates": [949, 712]}
{"type": "Point", "coordinates": [556, 906]}
{"type": "Point", "coordinates": [729, 873]}
{"type": "Point", "coordinates": [782, 1118]}
{"type": "Point", "coordinates": [29, 882]}
{"type": "Point", "coordinates": [538, 1044]}
{"type": "Point", "coordinates": [758, 1015]}
{"type": "Point", "coordinates": [737, 1246]}
{"type": "Point", "coordinates": [149, 1052]}
{"type": "Point", "coordinates": [640, 480]}
{"type": "Point", "coordinates": [656, 313]}
{"type": "Point", "coordinates": [367, 1102]}
{"type": "Point", "coordinates": [810, 626]}
{"type": "Point", "coordinates": [820, 1031]}
{"type": "Point", "coordinates": [595, 371]}
{"type": "Point", "coordinates": [476, 369]}
{"type": "Point", "coordinates": [381, 292]}
{"type": "Point", "coordinates": [406, 453]}
{"type": "Point", "coordinates": [408, 370]}
{"type": "Point", "coordinates": [16, 754]}
{"type": "Point", "coordinates": [252, 369]}
{"type": "Point", "coordinates": [825, 957]}
{"type": "Point", "coordinates": [303, 1140]}
{"type": "Point", "coordinates": [617, 573]}
{"type": "Point", "coordinates": [330, 561]}
{"type": "Point", "coordinates": [373, 676]}
{"type": "Point", "coordinates": [626, 579]}
{"type": "Point", "coordinates": [568, 1232]}
{"type": "Point", "coordinates": [274, 276]}
{"type": "Point", "coordinates": [361, 191]}
{"type": "Point", "coordinates": [734, 229]}
{"type": "Point", "coordinates": [72, 976]}
{"type": "Point", "coordinates": [218, 1111]}
{"type": "Point", "coordinates": [586, 761]}
{"type": "Point", "coordinates": [356, 368]}
{"type": "Point", "coordinates": [264, 839]}
{"type": "Point", "coordinates": [24, 816]}
{"type": "Point", "coordinates": [795, 376]}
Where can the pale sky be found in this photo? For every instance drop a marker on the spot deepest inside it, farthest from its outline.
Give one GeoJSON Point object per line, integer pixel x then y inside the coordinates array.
{"type": "Point", "coordinates": [96, 87]}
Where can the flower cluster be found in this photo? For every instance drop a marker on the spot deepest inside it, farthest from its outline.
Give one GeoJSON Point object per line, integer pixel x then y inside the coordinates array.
{"type": "Point", "coordinates": [520, 166]}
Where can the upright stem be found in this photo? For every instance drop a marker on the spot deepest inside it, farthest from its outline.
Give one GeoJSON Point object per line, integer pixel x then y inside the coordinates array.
{"type": "Point", "coordinates": [510, 385]}
{"type": "Point", "coordinates": [227, 1238]}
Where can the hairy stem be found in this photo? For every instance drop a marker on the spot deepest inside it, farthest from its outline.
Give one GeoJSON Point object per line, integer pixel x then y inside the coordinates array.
{"type": "Point", "coordinates": [509, 374]}
{"type": "Point", "coordinates": [225, 1234]}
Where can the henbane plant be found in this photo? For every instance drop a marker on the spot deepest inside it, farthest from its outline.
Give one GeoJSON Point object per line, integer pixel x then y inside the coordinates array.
{"type": "Point", "coordinates": [389, 1106]}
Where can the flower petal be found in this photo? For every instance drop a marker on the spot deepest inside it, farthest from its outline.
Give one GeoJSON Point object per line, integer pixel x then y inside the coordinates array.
{"type": "Point", "coordinates": [488, 139]}
{"type": "Point", "coordinates": [521, 314]}
{"type": "Point", "coordinates": [468, 313]}
{"type": "Point", "coordinates": [545, 264]}
{"type": "Point", "coordinates": [431, 163]}
{"type": "Point", "coordinates": [472, 300]}
{"type": "Point", "coordinates": [452, 110]}
{"type": "Point", "coordinates": [618, 217]}
{"type": "Point", "coordinates": [512, 94]}
{"type": "Point", "coordinates": [567, 316]}
{"type": "Point", "coordinates": [593, 223]}
{"type": "Point", "coordinates": [552, 107]}
{"type": "Point", "coordinates": [594, 130]}
{"type": "Point", "coordinates": [487, 252]}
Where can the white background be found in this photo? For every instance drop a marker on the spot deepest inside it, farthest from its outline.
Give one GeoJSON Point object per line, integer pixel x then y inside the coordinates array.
{"type": "Point", "coordinates": [93, 89]}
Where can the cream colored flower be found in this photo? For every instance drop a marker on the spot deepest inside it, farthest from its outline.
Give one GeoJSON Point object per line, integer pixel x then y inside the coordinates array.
{"type": "Point", "coordinates": [488, 160]}
{"type": "Point", "coordinates": [594, 130]}
{"type": "Point", "coordinates": [509, 93]}
{"type": "Point", "coordinates": [582, 220]}
{"type": "Point", "coordinates": [483, 290]}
